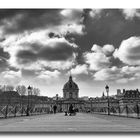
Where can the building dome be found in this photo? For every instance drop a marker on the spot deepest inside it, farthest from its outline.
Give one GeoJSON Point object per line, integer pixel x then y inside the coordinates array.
{"type": "Point", "coordinates": [70, 84]}
{"type": "Point", "coordinates": [70, 89]}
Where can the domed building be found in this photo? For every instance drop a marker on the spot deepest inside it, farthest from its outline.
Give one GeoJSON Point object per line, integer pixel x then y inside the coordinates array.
{"type": "Point", "coordinates": [70, 90]}
{"type": "Point", "coordinates": [70, 96]}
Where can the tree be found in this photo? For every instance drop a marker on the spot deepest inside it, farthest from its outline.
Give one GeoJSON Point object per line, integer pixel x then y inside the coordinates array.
{"type": "Point", "coordinates": [36, 91]}
{"type": "Point", "coordinates": [3, 88]}
{"type": "Point", "coordinates": [21, 89]}
{"type": "Point", "coordinates": [9, 88]}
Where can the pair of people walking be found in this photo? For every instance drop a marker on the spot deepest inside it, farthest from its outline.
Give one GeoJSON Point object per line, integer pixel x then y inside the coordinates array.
{"type": "Point", "coordinates": [71, 111]}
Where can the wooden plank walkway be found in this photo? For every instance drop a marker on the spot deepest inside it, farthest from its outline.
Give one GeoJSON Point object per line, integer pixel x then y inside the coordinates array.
{"type": "Point", "coordinates": [80, 123]}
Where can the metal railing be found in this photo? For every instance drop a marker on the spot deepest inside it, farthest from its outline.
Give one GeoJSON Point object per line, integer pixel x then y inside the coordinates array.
{"type": "Point", "coordinates": [127, 110]}
{"type": "Point", "coordinates": [17, 107]}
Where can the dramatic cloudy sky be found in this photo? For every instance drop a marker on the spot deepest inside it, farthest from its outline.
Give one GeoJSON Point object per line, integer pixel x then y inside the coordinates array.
{"type": "Point", "coordinates": [100, 46]}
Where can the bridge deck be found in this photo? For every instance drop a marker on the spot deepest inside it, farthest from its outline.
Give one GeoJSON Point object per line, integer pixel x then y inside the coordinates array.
{"type": "Point", "coordinates": [79, 123]}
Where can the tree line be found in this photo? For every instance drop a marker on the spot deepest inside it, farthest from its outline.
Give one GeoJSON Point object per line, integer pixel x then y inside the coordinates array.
{"type": "Point", "coordinates": [20, 89]}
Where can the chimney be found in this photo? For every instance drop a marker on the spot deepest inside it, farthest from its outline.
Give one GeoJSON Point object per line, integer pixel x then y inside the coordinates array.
{"type": "Point", "coordinates": [123, 90]}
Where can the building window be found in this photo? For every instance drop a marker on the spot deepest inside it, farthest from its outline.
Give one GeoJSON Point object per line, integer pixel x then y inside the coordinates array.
{"type": "Point", "coordinates": [70, 95]}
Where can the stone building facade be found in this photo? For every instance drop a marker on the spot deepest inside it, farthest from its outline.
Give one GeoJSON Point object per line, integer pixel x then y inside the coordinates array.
{"type": "Point", "coordinates": [116, 102]}
{"type": "Point", "coordinates": [129, 97]}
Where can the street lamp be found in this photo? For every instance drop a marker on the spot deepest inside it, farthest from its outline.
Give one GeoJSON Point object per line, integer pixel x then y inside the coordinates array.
{"type": "Point", "coordinates": [107, 90]}
{"type": "Point", "coordinates": [29, 89]}
{"type": "Point", "coordinates": [90, 104]}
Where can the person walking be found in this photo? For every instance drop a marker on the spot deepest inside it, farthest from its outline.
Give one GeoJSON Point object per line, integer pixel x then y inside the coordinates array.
{"type": "Point", "coordinates": [70, 109]}
{"type": "Point", "coordinates": [54, 109]}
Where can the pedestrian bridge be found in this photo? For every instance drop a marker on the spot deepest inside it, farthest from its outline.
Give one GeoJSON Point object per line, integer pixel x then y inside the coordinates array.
{"type": "Point", "coordinates": [82, 122]}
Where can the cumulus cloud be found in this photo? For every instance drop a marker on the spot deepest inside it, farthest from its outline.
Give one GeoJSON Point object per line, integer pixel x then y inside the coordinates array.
{"type": "Point", "coordinates": [23, 20]}
{"type": "Point", "coordinates": [95, 12]}
{"type": "Point", "coordinates": [107, 74]}
{"type": "Point", "coordinates": [10, 77]}
{"type": "Point", "coordinates": [132, 71]}
{"type": "Point", "coordinates": [72, 22]}
{"type": "Point", "coordinates": [108, 49]}
{"type": "Point", "coordinates": [11, 74]}
{"type": "Point", "coordinates": [43, 43]}
{"type": "Point", "coordinates": [48, 74]}
{"type": "Point", "coordinates": [60, 21]}
{"type": "Point", "coordinates": [96, 48]}
{"type": "Point", "coordinates": [30, 52]}
{"type": "Point", "coordinates": [129, 51]}
{"type": "Point", "coordinates": [97, 58]}
{"type": "Point", "coordinates": [72, 15]}
{"type": "Point", "coordinates": [60, 65]}
{"type": "Point", "coordinates": [41, 78]}
{"type": "Point", "coordinates": [28, 42]}
{"type": "Point", "coordinates": [96, 61]}
{"type": "Point", "coordinates": [71, 29]}
{"type": "Point", "coordinates": [131, 13]}
{"type": "Point", "coordinates": [119, 75]}
{"type": "Point", "coordinates": [48, 77]}
{"type": "Point", "coordinates": [80, 69]}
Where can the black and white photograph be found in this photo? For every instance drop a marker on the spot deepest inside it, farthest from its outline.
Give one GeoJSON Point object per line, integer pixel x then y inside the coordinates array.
{"type": "Point", "coordinates": [70, 70]}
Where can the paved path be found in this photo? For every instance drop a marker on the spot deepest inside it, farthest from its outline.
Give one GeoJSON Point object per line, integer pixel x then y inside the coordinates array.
{"type": "Point", "coordinates": [79, 123]}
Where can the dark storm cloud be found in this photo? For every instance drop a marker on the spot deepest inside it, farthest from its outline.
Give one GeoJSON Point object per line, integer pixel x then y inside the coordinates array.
{"type": "Point", "coordinates": [60, 51]}
{"type": "Point", "coordinates": [30, 19]}
{"type": "Point", "coordinates": [8, 13]}
{"type": "Point", "coordinates": [32, 46]}
{"type": "Point", "coordinates": [63, 51]}
{"type": "Point", "coordinates": [110, 27]}
{"type": "Point", "coordinates": [26, 57]}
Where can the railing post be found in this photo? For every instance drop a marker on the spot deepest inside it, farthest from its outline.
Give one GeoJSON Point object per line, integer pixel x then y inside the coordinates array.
{"type": "Point", "coordinates": [22, 110]}
{"type": "Point", "coordinates": [30, 110]}
{"type": "Point", "coordinates": [15, 111]}
{"type": "Point", "coordinates": [127, 110]}
{"type": "Point", "coordinates": [137, 107]}
{"type": "Point", "coordinates": [6, 111]}
{"type": "Point", "coordinates": [27, 110]}
{"type": "Point", "coordinates": [119, 110]}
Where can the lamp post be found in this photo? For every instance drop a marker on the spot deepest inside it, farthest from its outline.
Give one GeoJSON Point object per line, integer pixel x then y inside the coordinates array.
{"type": "Point", "coordinates": [107, 90]}
{"type": "Point", "coordinates": [90, 104]}
{"type": "Point", "coordinates": [29, 89]}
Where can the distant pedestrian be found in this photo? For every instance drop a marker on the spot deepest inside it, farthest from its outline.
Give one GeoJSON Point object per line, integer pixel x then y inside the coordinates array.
{"type": "Point", "coordinates": [54, 109]}
{"type": "Point", "coordinates": [70, 109]}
